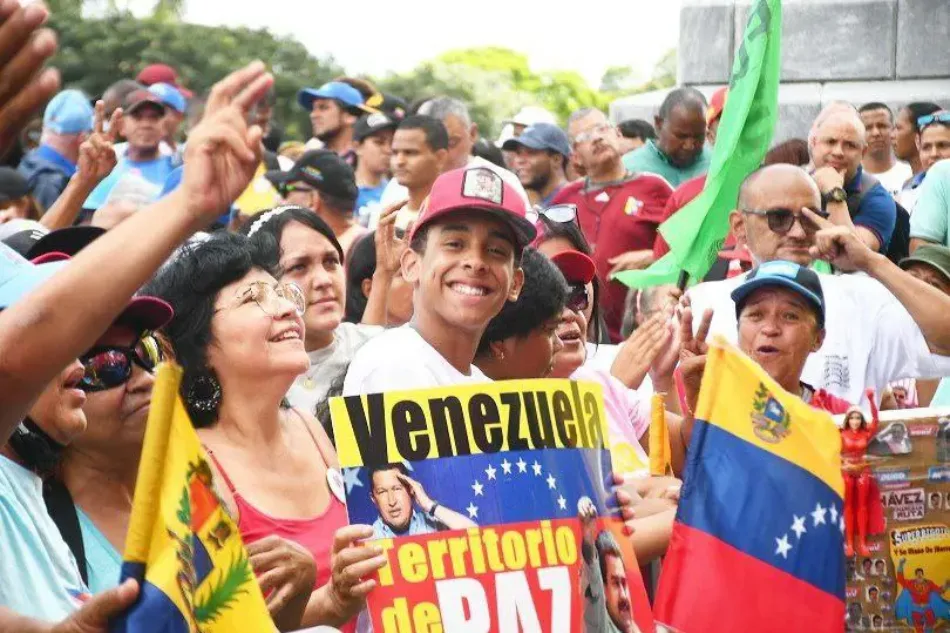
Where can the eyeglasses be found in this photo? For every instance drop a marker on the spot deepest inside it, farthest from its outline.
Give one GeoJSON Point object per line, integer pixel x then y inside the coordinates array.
{"type": "Point", "coordinates": [109, 366]}
{"type": "Point", "coordinates": [591, 134]}
{"type": "Point", "coordinates": [781, 220]}
{"type": "Point", "coordinates": [560, 213]}
{"type": "Point", "coordinates": [941, 116]}
{"type": "Point", "coordinates": [577, 298]}
{"type": "Point", "coordinates": [286, 189]}
{"type": "Point", "coordinates": [267, 296]}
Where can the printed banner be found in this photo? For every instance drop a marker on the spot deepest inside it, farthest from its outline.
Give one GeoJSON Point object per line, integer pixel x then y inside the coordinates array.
{"type": "Point", "coordinates": [492, 504]}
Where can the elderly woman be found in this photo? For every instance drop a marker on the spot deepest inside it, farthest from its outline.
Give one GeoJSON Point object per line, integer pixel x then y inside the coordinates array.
{"type": "Point", "coordinates": [311, 257]}
{"type": "Point", "coordinates": [239, 336]}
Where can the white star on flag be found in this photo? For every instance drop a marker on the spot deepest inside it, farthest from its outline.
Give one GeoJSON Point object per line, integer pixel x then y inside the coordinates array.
{"type": "Point", "coordinates": [798, 526]}
{"type": "Point", "coordinates": [841, 523]}
{"type": "Point", "coordinates": [506, 467]}
{"type": "Point", "coordinates": [477, 487]}
{"type": "Point", "coordinates": [834, 514]}
{"type": "Point", "coordinates": [522, 466]}
{"type": "Point", "coordinates": [818, 515]}
{"type": "Point", "coordinates": [537, 468]}
{"type": "Point", "coordinates": [562, 502]}
{"type": "Point", "coordinates": [552, 482]}
{"type": "Point", "coordinates": [352, 478]}
{"type": "Point", "coordinates": [491, 470]}
{"type": "Point", "coordinates": [782, 546]}
{"type": "Point", "coordinates": [472, 511]}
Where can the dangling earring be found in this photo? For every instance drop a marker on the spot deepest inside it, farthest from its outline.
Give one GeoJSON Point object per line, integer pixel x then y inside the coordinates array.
{"type": "Point", "coordinates": [204, 393]}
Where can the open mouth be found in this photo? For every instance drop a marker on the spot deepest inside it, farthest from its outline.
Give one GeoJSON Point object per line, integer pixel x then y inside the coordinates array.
{"type": "Point", "coordinates": [767, 350]}
{"type": "Point", "coordinates": [570, 337]}
{"type": "Point", "coordinates": [469, 290]}
{"type": "Point", "coordinates": [289, 334]}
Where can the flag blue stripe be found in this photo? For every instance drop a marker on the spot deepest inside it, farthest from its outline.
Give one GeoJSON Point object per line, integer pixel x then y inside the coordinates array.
{"type": "Point", "coordinates": [511, 497]}
{"type": "Point", "coordinates": [153, 611]}
{"type": "Point", "coordinates": [751, 499]}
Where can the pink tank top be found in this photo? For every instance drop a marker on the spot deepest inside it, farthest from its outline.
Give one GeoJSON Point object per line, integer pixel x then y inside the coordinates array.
{"type": "Point", "coordinates": [314, 534]}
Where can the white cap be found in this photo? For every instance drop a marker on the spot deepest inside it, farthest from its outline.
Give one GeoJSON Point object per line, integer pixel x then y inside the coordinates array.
{"type": "Point", "coordinates": [528, 115]}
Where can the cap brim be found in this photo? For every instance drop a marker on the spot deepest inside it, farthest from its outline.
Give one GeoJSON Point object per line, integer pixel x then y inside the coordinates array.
{"type": "Point", "coordinates": [144, 103]}
{"type": "Point", "coordinates": [519, 141]}
{"type": "Point", "coordinates": [382, 128]}
{"type": "Point", "coordinates": [524, 230]}
{"type": "Point", "coordinates": [904, 263]}
{"type": "Point", "coordinates": [740, 294]}
{"type": "Point", "coordinates": [575, 266]}
{"type": "Point", "coordinates": [145, 314]}
{"type": "Point", "coordinates": [26, 280]}
{"type": "Point", "coordinates": [278, 177]}
{"type": "Point", "coordinates": [70, 241]}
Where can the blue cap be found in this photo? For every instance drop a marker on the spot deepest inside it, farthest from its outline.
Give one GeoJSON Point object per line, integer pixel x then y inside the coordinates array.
{"type": "Point", "coordinates": [69, 112]}
{"type": "Point", "coordinates": [796, 278]}
{"type": "Point", "coordinates": [18, 276]}
{"type": "Point", "coordinates": [337, 90]}
{"type": "Point", "coordinates": [170, 96]}
{"type": "Point", "coordinates": [541, 136]}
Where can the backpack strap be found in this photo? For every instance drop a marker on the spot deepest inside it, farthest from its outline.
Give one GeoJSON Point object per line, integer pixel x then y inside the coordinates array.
{"type": "Point", "coordinates": [62, 509]}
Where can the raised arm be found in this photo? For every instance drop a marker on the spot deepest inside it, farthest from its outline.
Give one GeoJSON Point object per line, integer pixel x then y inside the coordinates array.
{"type": "Point", "coordinates": [56, 322]}
{"type": "Point", "coordinates": [389, 250]}
{"type": "Point", "coordinates": [875, 415]}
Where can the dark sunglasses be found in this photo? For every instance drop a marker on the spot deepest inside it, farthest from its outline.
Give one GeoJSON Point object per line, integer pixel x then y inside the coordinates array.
{"type": "Point", "coordinates": [560, 213]}
{"type": "Point", "coordinates": [109, 366]}
{"type": "Point", "coordinates": [781, 220]}
{"type": "Point", "coordinates": [577, 299]}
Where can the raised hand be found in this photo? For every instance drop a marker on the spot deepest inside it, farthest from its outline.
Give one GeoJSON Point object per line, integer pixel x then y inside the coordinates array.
{"type": "Point", "coordinates": [96, 154]}
{"type": "Point", "coordinates": [351, 561]}
{"type": "Point", "coordinates": [418, 492]}
{"type": "Point", "coordinates": [389, 248]}
{"type": "Point", "coordinates": [223, 152]}
{"type": "Point", "coordinates": [24, 48]}
{"type": "Point", "coordinates": [840, 246]}
{"type": "Point", "coordinates": [638, 352]}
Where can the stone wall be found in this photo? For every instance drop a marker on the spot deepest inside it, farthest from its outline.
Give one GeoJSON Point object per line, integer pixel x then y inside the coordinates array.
{"type": "Point", "coordinates": [895, 51]}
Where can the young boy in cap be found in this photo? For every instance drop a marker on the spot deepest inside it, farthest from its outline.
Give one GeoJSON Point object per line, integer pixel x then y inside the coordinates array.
{"type": "Point", "coordinates": [463, 263]}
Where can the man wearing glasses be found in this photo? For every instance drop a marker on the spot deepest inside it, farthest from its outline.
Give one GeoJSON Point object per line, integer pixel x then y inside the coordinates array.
{"type": "Point", "coordinates": [877, 330]}
{"type": "Point", "coordinates": [321, 181]}
{"type": "Point", "coordinates": [618, 211]}
{"type": "Point", "coordinates": [837, 145]}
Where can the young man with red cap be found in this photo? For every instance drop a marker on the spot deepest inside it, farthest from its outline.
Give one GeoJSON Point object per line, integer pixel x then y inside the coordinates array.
{"type": "Point", "coordinates": [463, 263]}
{"type": "Point", "coordinates": [618, 210]}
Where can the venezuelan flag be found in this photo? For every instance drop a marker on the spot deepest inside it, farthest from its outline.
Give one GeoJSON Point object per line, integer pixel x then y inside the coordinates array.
{"type": "Point", "coordinates": [182, 547]}
{"type": "Point", "coordinates": [758, 540]}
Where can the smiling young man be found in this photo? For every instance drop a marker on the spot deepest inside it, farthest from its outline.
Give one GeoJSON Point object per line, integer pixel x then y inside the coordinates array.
{"type": "Point", "coordinates": [463, 263]}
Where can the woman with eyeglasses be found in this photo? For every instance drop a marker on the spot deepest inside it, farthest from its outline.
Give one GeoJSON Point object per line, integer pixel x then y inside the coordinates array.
{"type": "Point", "coordinates": [239, 336]}
{"type": "Point", "coordinates": [310, 257]}
{"type": "Point", "coordinates": [96, 480]}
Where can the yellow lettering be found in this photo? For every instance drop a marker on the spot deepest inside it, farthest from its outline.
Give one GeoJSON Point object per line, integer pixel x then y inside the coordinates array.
{"type": "Point", "coordinates": [386, 573]}
{"type": "Point", "coordinates": [534, 540]}
{"type": "Point", "coordinates": [437, 552]}
{"type": "Point", "coordinates": [478, 554]}
{"type": "Point", "coordinates": [396, 618]}
{"type": "Point", "coordinates": [412, 562]}
{"type": "Point", "coordinates": [512, 548]}
{"type": "Point", "coordinates": [458, 546]}
{"type": "Point", "coordinates": [566, 545]}
{"type": "Point", "coordinates": [426, 618]}
{"type": "Point", "coordinates": [490, 541]}
{"type": "Point", "coordinates": [549, 545]}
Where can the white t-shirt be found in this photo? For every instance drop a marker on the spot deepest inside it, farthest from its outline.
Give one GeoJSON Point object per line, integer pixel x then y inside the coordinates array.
{"type": "Point", "coordinates": [870, 338]}
{"type": "Point", "coordinates": [894, 178]}
{"type": "Point", "coordinates": [327, 363]}
{"type": "Point", "coordinates": [401, 359]}
{"type": "Point", "coordinates": [394, 192]}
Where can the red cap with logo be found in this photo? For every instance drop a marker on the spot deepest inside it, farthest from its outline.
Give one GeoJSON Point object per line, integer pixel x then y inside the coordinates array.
{"type": "Point", "coordinates": [716, 105]}
{"type": "Point", "coordinates": [477, 189]}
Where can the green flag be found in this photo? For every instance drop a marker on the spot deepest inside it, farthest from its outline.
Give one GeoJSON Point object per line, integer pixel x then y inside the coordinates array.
{"type": "Point", "coordinates": [696, 232]}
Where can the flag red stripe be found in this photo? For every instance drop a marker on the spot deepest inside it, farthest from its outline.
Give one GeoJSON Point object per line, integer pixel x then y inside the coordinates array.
{"type": "Point", "coordinates": [762, 598]}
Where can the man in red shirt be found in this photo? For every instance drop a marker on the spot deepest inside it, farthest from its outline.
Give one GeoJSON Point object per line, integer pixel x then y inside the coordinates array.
{"type": "Point", "coordinates": [920, 610]}
{"type": "Point", "coordinates": [618, 211]}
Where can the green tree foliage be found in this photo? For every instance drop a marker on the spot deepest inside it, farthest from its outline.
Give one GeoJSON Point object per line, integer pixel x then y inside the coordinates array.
{"type": "Point", "coordinates": [93, 53]}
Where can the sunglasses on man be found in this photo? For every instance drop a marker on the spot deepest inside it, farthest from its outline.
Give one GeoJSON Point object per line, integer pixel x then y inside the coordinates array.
{"type": "Point", "coordinates": [559, 213]}
{"type": "Point", "coordinates": [781, 220]}
{"type": "Point", "coordinates": [108, 366]}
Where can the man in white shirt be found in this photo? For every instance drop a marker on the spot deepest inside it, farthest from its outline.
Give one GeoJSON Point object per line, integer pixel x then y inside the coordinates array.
{"type": "Point", "coordinates": [873, 337]}
{"type": "Point", "coordinates": [463, 133]}
{"type": "Point", "coordinates": [463, 262]}
{"type": "Point", "coordinates": [879, 159]}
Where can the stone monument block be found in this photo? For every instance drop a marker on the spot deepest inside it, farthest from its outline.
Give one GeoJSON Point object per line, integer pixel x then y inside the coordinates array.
{"type": "Point", "coordinates": [923, 29]}
{"type": "Point", "coordinates": [831, 39]}
{"type": "Point", "coordinates": [706, 40]}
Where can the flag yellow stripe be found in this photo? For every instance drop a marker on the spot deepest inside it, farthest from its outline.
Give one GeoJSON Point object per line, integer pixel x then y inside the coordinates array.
{"type": "Point", "coordinates": [148, 484]}
{"type": "Point", "coordinates": [726, 399]}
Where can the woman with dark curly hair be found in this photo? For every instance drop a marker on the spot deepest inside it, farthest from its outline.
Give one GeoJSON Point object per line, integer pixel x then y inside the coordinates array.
{"type": "Point", "coordinates": [239, 337]}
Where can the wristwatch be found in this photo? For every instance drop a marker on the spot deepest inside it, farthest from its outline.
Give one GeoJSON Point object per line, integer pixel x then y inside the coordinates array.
{"type": "Point", "coordinates": [836, 195]}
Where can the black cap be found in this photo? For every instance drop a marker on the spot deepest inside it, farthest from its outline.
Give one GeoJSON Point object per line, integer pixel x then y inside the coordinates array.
{"type": "Point", "coordinates": [142, 98]}
{"type": "Point", "coordinates": [35, 242]}
{"type": "Point", "coordinates": [323, 170]}
{"type": "Point", "coordinates": [12, 184]}
{"type": "Point", "coordinates": [389, 104]}
{"type": "Point", "coordinates": [370, 124]}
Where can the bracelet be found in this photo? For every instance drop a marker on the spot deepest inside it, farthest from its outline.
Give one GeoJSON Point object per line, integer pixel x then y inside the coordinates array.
{"type": "Point", "coordinates": [435, 505]}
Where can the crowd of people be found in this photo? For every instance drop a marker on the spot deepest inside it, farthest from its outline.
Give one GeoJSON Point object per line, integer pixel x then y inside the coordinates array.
{"type": "Point", "coordinates": [397, 248]}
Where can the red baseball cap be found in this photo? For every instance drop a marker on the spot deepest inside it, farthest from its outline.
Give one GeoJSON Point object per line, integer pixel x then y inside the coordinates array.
{"type": "Point", "coordinates": [575, 266]}
{"type": "Point", "coordinates": [162, 74]}
{"type": "Point", "coordinates": [716, 104]}
{"type": "Point", "coordinates": [477, 189]}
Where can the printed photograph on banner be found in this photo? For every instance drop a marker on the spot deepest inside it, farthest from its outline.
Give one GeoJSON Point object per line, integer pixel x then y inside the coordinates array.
{"type": "Point", "coordinates": [508, 522]}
